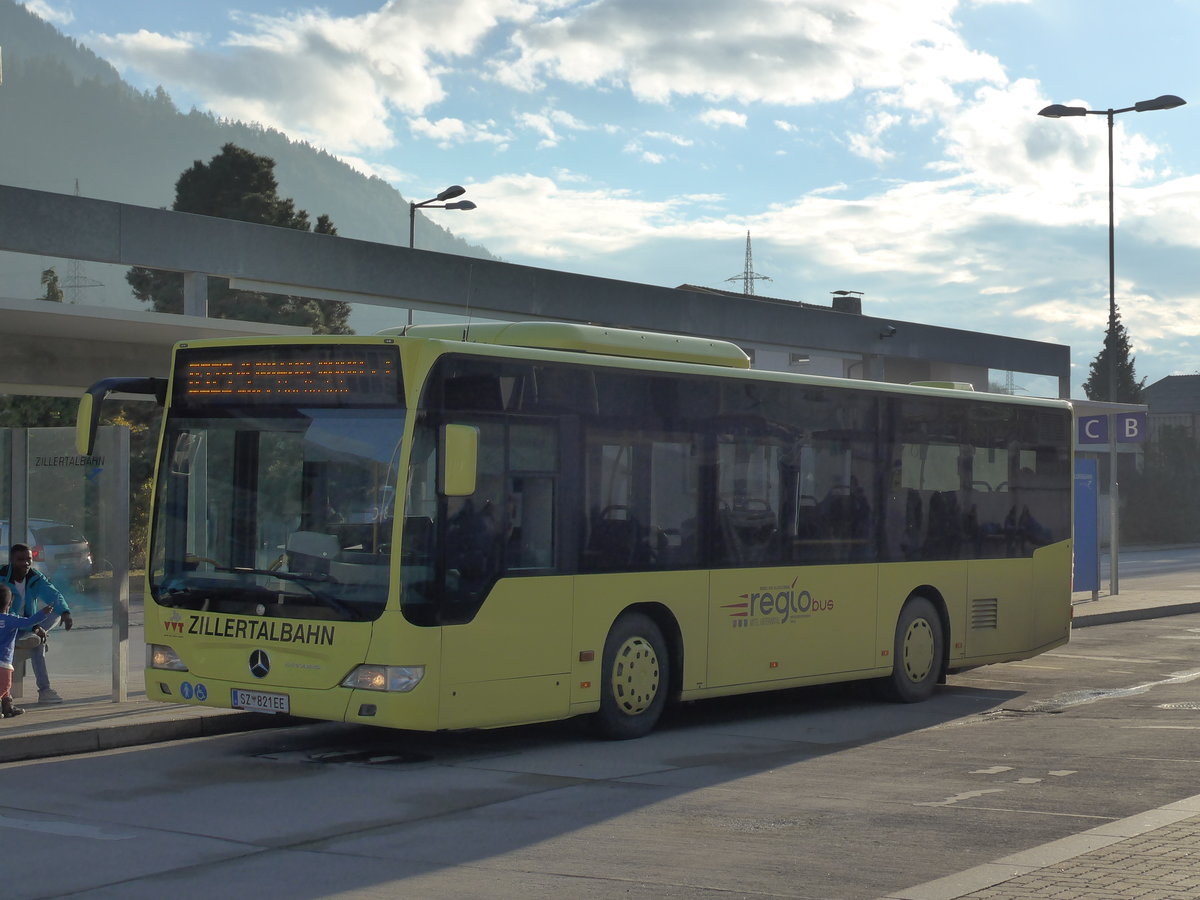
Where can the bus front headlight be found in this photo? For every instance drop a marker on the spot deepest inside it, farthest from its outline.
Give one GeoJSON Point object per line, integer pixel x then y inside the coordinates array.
{"type": "Point", "coordinates": [396, 679]}
{"type": "Point", "coordinates": [160, 656]}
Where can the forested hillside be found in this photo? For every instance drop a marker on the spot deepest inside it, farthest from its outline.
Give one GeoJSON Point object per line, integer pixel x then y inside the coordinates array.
{"type": "Point", "coordinates": [66, 117]}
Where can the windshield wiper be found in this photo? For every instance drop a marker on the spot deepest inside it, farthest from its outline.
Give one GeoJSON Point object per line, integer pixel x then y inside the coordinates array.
{"type": "Point", "coordinates": [276, 573]}
{"type": "Point", "coordinates": [177, 596]}
{"type": "Point", "coordinates": [303, 580]}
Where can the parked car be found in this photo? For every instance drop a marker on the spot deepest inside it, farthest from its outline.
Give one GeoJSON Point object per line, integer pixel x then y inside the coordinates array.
{"type": "Point", "coordinates": [60, 551]}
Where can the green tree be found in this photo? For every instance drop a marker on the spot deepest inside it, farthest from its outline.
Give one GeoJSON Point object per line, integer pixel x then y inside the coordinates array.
{"type": "Point", "coordinates": [238, 184]}
{"type": "Point", "coordinates": [54, 290]}
{"type": "Point", "coordinates": [37, 412]}
{"type": "Point", "coordinates": [1116, 351]}
{"type": "Point", "coordinates": [1162, 502]}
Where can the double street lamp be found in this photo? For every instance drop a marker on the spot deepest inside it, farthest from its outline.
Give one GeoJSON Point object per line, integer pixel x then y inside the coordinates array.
{"type": "Point", "coordinates": [1058, 111]}
{"type": "Point", "coordinates": [455, 190]}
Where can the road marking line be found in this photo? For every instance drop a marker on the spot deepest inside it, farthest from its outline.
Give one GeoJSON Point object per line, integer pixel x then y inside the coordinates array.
{"type": "Point", "coordinates": [67, 829]}
{"type": "Point", "coordinates": [1165, 727]}
{"type": "Point", "coordinates": [994, 770]}
{"type": "Point", "coordinates": [969, 795]}
{"type": "Point", "coordinates": [1029, 666]}
{"type": "Point", "coordinates": [1060, 702]}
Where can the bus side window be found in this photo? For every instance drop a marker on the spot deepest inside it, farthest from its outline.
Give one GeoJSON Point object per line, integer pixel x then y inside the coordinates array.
{"type": "Point", "coordinates": [529, 513]}
{"type": "Point", "coordinates": [417, 540]}
{"type": "Point", "coordinates": [529, 539]}
{"type": "Point", "coordinates": [471, 546]}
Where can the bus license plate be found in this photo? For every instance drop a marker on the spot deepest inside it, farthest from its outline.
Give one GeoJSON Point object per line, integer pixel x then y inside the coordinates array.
{"type": "Point", "coordinates": [260, 701]}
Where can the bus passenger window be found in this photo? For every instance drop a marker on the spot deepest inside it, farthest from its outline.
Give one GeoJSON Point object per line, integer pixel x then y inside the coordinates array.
{"type": "Point", "coordinates": [471, 547]}
{"type": "Point", "coordinates": [750, 493]}
{"type": "Point", "coordinates": [529, 538]}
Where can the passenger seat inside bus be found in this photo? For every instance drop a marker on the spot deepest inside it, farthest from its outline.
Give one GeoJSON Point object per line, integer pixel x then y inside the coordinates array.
{"type": "Point", "coordinates": [311, 552]}
{"type": "Point", "coordinates": [613, 541]}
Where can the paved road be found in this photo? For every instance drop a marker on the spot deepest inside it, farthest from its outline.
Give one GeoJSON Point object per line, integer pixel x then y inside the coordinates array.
{"type": "Point", "coordinates": [819, 793]}
{"type": "Point", "coordinates": [1139, 564]}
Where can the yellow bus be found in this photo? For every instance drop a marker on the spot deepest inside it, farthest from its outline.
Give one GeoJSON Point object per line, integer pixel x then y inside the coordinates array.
{"type": "Point", "coordinates": [452, 527]}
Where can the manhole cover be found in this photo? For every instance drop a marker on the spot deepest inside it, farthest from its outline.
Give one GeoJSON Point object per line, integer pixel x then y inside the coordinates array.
{"type": "Point", "coordinates": [1185, 704]}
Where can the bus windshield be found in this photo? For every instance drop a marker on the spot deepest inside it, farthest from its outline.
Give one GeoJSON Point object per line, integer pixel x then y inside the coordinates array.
{"type": "Point", "coordinates": [260, 513]}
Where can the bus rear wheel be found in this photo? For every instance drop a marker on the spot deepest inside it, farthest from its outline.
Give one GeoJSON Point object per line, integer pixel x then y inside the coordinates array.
{"type": "Point", "coordinates": [636, 673]}
{"type": "Point", "coordinates": [916, 653]}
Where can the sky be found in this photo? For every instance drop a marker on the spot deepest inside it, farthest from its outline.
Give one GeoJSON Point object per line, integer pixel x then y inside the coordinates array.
{"type": "Point", "coordinates": [891, 147]}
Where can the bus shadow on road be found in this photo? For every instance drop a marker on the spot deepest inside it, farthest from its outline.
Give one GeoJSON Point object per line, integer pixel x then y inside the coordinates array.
{"type": "Point", "coordinates": [796, 724]}
{"type": "Point", "coordinates": [410, 812]}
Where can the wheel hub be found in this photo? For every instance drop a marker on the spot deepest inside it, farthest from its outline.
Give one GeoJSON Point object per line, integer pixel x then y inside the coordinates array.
{"type": "Point", "coordinates": [635, 676]}
{"type": "Point", "coordinates": [918, 650]}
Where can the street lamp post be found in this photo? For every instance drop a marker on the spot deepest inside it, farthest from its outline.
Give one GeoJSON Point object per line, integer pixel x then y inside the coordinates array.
{"type": "Point", "coordinates": [1058, 111]}
{"type": "Point", "coordinates": [455, 190]}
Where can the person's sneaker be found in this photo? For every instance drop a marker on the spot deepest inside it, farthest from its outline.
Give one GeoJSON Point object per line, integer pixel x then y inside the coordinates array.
{"type": "Point", "coordinates": [49, 695]}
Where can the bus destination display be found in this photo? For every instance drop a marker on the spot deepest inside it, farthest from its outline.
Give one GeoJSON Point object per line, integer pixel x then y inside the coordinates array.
{"type": "Point", "coordinates": [349, 375]}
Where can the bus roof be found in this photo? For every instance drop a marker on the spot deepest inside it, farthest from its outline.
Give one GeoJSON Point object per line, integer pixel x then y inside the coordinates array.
{"type": "Point", "coordinates": [590, 339]}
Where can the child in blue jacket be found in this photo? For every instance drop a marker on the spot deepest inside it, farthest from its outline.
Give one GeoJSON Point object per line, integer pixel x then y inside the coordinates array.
{"type": "Point", "coordinates": [9, 626]}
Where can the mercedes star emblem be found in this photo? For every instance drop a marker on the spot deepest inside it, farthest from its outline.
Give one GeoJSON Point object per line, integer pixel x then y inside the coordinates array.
{"type": "Point", "coordinates": [260, 664]}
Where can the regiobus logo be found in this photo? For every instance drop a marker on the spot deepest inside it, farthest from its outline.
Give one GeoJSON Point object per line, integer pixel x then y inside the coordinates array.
{"type": "Point", "coordinates": [774, 605]}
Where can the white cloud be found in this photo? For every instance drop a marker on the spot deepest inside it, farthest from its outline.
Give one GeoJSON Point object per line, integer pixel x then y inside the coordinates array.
{"type": "Point", "coordinates": [542, 125]}
{"type": "Point", "coordinates": [548, 124]}
{"type": "Point", "coordinates": [635, 148]}
{"type": "Point", "coordinates": [50, 12]}
{"type": "Point", "coordinates": [333, 80]}
{"type": "Point", "coordinates": [448, 132]}
{"type": "Point", "coordinates": [382, 171]}
{"type": "Point", "coordinates": [561, 219]}
{"type": "Point", "coordinates": [716, 118]}
{"type": "Point", "coordinates": [790, 52]}
{"type": "Point", "coordinates": [676, 139]}
{"type": "Point", "coordinates": [143, 42]}
{"type": "Point", "coordinates": [868, 144]}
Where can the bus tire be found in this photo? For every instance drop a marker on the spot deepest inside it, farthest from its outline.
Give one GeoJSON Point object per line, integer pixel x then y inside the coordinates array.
{"type": "Point", "coordinates": [634, 679]}
{"type": "Point", "coordinates": [917, 653]}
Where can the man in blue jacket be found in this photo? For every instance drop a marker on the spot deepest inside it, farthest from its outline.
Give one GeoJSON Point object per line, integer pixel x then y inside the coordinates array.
{"type": "Point", "coordinates": [31, 591]}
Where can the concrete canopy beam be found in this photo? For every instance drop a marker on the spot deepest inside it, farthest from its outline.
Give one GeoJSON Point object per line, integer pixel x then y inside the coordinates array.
{"type": "Point", "coordinates": [309, 264]}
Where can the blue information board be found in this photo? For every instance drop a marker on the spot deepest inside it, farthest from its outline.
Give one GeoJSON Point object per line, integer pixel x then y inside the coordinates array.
{"type": "Point", "coordinates": [1087, 526]}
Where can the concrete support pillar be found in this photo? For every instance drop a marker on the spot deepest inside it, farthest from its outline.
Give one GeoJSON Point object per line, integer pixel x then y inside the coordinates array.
{"type": "Point", "coordinates": [18, 495]}
{"type": "Point", "coordinates": [195, 294]}
{"type": "Point", "coordinates": [116, 505]}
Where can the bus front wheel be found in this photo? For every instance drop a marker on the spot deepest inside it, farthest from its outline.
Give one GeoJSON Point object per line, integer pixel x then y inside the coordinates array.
{"type": "Point", "coordinates": [916, 654]}
{"type": "Point", "coordinates": [633, 689]}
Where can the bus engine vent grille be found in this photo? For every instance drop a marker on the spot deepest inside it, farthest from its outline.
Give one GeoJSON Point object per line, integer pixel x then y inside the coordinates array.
{"type": "Point", "coordinates": [985, 613]}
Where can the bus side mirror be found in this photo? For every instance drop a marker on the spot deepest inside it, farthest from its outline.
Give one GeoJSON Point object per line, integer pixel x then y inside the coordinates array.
{"type": "Point", "coordinates": [87, 419]}
{"type": "Point", "coordinates": [460, 457]}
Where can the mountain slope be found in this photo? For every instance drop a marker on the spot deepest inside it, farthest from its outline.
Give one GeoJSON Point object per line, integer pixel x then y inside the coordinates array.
{"type": "Point", "coordinates": [67, 118]}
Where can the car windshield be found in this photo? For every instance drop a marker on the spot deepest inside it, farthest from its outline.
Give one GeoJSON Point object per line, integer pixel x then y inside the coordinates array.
{"type": "Point", "coordinates": [261, 514]}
